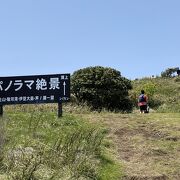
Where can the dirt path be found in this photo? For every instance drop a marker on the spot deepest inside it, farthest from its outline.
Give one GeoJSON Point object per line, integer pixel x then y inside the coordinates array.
{"type": "Point", "coordinates": [147, 145]}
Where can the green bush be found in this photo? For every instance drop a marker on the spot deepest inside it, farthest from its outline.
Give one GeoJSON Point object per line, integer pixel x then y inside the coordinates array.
{"type": "Point", "coordinates": [101, 87]}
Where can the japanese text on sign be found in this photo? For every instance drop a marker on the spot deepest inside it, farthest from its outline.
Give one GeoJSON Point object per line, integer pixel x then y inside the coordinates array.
{"type": "Point", "coordinates": [35, 89]}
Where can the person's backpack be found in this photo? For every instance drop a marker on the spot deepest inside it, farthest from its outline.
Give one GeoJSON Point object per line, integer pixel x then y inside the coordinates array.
{"type": "Point", "coordinates": [142, 98]}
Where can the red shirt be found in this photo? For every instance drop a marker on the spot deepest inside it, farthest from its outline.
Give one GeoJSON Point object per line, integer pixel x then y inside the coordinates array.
{"type": "Point", "coordinates": [143, 103]}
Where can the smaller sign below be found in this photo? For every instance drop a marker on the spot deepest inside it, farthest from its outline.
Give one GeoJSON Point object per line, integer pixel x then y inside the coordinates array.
{"type": "Point", "coordinates": [35, 89]}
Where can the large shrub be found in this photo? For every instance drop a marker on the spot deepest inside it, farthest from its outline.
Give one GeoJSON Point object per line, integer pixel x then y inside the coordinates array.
{"type": "Point", "coordinates": [101, 87]}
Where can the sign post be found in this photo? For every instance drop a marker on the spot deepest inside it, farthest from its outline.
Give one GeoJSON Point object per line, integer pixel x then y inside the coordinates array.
{"type": "Point", "coordinates": [1, 110]}
{"type": "Point", "coordinates": [35, 89]}
{"type": "Point", "coordinates": [60, 109]}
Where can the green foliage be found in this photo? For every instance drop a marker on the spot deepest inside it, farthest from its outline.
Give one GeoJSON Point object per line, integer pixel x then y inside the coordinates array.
{"type": "Point", "coordinates": [177, 79]}
{"type": "Point", "coordinates": [41, 146]}
{"type": "Point", "coordinates": [169, 72]}
{"type": "Point", "coordinates": [163, 93]}
{"type": "Point", "coordinates": [150, 89]}
{"type": "Point", "coordinates": [101, 87]}
{"type": "Point", "coordinates": [110, 169]}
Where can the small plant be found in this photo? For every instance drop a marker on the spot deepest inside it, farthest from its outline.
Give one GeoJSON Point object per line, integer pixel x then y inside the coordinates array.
{"type": "Point", "coordinates": [22, 163]}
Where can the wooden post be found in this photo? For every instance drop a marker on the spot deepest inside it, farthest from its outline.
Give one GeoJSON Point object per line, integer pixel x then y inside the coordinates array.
{"type": "Point", "coordinates": [60, 109]}
{"type": "Point", "coordinates": [1, 110]}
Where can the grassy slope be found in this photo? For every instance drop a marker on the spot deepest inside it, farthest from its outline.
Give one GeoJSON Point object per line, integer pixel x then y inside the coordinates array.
{"type": "Point", "coordinates": [147, 144]}
{"type": "Point", "coordinates": [38, 131]}
{"type": "Point", "coordinates": [167, 92]}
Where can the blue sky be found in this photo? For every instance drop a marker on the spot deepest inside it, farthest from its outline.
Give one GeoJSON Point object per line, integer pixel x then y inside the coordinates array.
{"type": "Point", "coordinates": [137, 37]}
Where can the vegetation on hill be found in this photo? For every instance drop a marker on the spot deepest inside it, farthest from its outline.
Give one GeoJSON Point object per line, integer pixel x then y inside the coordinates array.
{"type": "Point", "coordinates": [170, 72]}
{"type": "Point", "coordinates": [101, 88]}
{"type": "Point", "coordinates": [35, 144]}
{"type": "Point", "coordinates": [148, 145]}
{"type": "Point", "coordinates": [164, 93]}
{"type": "Point", "coordinates": [85, 144]}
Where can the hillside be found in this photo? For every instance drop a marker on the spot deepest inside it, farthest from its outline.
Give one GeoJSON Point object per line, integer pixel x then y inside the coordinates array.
{"type": "Point", "coordinates": [164, 93]}
{"type": "Point", "coordinates": [84, 144]}
{"type": "Point", "coordinates": [36, 145]}
{"type": "Point", "coordinates": [88, 145]}
{"type": "Point", "coordinates": [148, 146]}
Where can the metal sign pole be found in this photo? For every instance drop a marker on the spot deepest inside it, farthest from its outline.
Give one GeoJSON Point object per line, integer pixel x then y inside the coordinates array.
{"type": "Point", "coordinates": [60, 109]}
{"type": "Point", "coordinates": [1, 110]}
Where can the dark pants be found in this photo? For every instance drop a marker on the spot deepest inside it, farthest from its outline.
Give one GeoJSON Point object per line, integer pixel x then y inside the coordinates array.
{"type": "Point", "coordinates": [143, 108]}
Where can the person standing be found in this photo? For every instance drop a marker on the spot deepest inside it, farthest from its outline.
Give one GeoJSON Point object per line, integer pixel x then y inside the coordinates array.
{"type": "Point", "coordinates": [142, 102]}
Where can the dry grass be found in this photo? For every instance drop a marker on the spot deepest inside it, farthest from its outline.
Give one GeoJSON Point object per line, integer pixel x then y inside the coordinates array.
{"type": "Point", "coordinates": [148, 144]}
{"type": "Point", "coordinates": [38, 145]}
